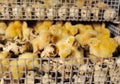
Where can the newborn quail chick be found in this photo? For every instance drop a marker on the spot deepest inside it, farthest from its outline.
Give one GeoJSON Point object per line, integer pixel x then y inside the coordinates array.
{"type": "Point", "coordinates": [79, 79]}
{"type": "Point", "coordinates": [109, 14]}
{"type": "Point", "coordinates": [100, 74]}
{"type": "Point", "coordinates": [67, 50]}
{"type": "Point", "coordinates": [13, 30]}
{"type": "Point", "coordinates": [114, 71]}
{"type": "Point", "coordinates": [28, 11]}
{"type": "Point", "coordinates": [30, 77]}
{"type": "Point", "coordinates": [39, 10]}
{"type": "Point", "coordinates": [85, 73]}
{"type": "Point", "coordinates": [51, 13]}
{"type": "Point", "coordinates": [85, 13]}
{"type": "Point", "coordinates": [74, 12]}
{"type": "Point", "coordinates": [5, 10]}
{"type": "Point", "coordinates": [63, 12]}
{"type": "Point", "coordinates": [95, 11]}
{"type": "Point", "coordinates": [49, 51]}
{"type": "Point", "coordinates": [16, 11]}
{"type": "Point", "coordinates": [26, 31]}
{"type": "Point", "coordinates": [41, 41]}
{"type": "Point", "coordinates": [101, 48]}
{"type": "Point", "coordinates": [3, 27]}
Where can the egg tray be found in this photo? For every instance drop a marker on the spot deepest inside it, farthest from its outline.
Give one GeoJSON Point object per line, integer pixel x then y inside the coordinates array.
{"type": "Point", "coordinates": [100, 71]}
{"type": "Point", "coordinates": [62, 10]}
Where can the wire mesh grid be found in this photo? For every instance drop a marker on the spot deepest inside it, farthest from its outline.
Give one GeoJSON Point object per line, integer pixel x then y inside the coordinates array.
{"type": "Point", "coordinates": [114, 30]}
{"type": "Point", "coordinates": [58, 71]}
{"type": "Point", "coordinates": [79, 10]}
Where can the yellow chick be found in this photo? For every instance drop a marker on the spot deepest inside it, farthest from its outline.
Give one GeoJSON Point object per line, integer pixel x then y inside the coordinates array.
{"type": "Point", "coordinates": [84, 28]}
{"type": "Point", "coordinates": [14, 29]}
{"type": "Point", "coordinates": [102, 48]}
{"type": "Point", "coordinates": [39, 23]}
{"type": "Point", "coordinates": [103, 32]}
{"type": "Point", "coordinates": [25, 31]}
{"type": "Point", "coordinates": [77, 57]}
{"type": "Point", "coordinates": [64, 32]}
{"type": "Point", "coordinates": [4, 61]}
{"type": "Point", "coordinates": [3, 27]}
{"type": "Point", "coordinates": [41, 41]}
{"type": "Point", "coordinates": [66, 49]}
{"type": "Point", "coordinates": [16, 69]}
{"type": "Point", "coordinates": [56, 31]}
{"type": "Point", "coordinates": [29, 59]}
{"type": "Point", "coordinates": [83, 38]}
{"type": "Point", "coordinates": [72, 30]}
{"type": "Point", "coordinates": [43, 26]}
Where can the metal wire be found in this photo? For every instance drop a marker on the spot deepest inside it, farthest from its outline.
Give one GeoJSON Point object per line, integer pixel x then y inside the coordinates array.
{"type": "Point", "coordinates": [114, 30]}
{"type": "Point", "coordinates": [64, 73]}
{"type": "Point", "coordinates": [61, 10]}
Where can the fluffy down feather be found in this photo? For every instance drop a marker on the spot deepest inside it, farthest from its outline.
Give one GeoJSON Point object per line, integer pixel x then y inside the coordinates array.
{"type": "Point", "coordinates": [74, 12]}
{"type": "Point", "coordinates": [86, 32]}
{"type": "Point", "coordinates": [84, 28]}
{"type": "Point", "coordinates": [109, 14]}
{"type": "Point", "coordinates": [102, 47]}
{"type": "Point", "coordinates": [51, 13]}
{"type": "Point", "coordinates": [56, 31]}
{"type": "Point", "coordinates": [14, 30]}
{"type": "Point", "coordinates": [83, 38]}
{"type": "Point", "coordinates": [85, 13]}
{"type": "Point", "coordinates": [66, 50]}
{"type": "Point", "coordinates": [41, 41]}
{"type": "Point", "coordinates": [25, 31]}
{"type": "Point", "coordinates": [3, 27]}
{"type": "Point", "coordinates": [102, 31]}
{"type": "Point", "coordinates": [43, 26]}
{"type": "Point", "coordinates": [72, 30]}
